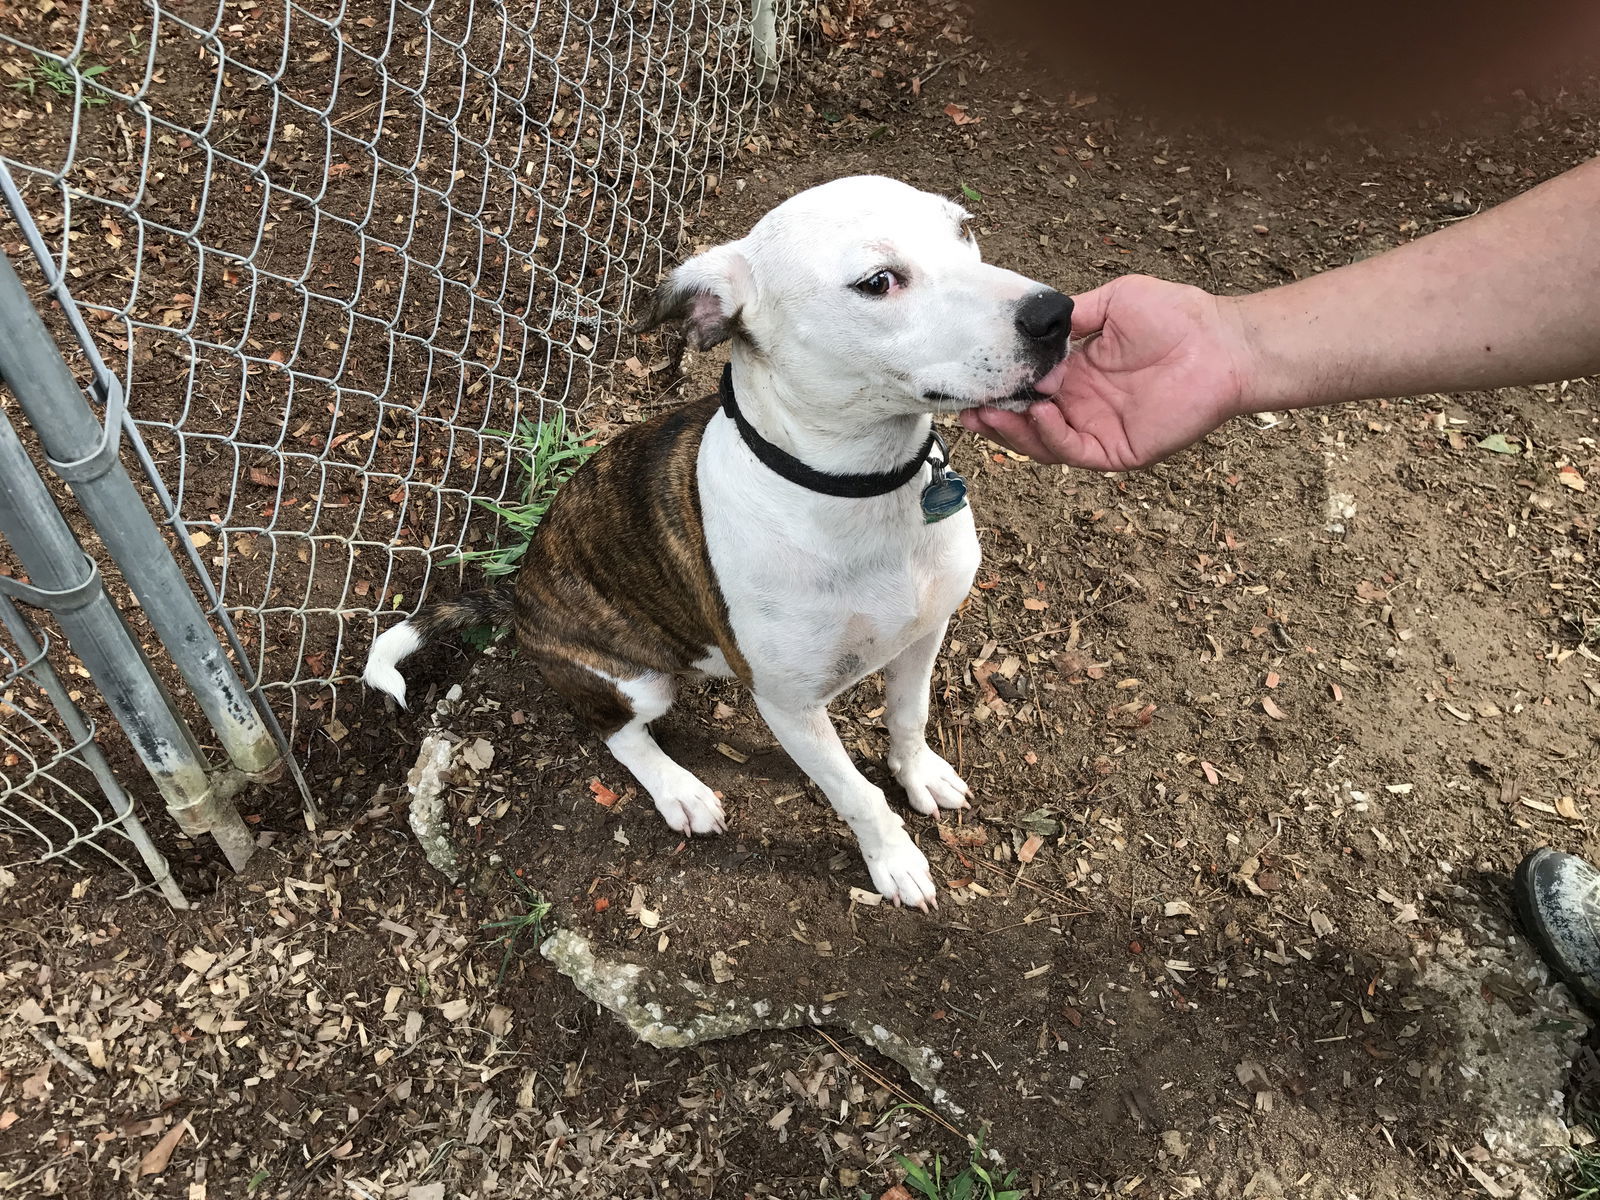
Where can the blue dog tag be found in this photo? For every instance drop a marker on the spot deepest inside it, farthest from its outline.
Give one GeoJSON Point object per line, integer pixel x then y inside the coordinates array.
{"type": "Point", "coordinates": [945, 495]}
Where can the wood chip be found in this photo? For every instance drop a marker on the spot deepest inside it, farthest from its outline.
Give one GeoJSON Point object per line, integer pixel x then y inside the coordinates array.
{"type": "Point", "coordinates": [477, 755]}
{"type": "Point", "coordinates": [1272, 710]}
{"type": "Point", "coordinates": [199, 959]}
{"type": "Point", "coordinates": [728, 751]}
{"type": "Point", "coordinates": [156, 1158]}
{"type": "Point", "coordinates": [959, 836]}
{"type": "Point", "coordinates": [1029, 848]}
{"type": "Point", "coordinates": [1484, 1181]}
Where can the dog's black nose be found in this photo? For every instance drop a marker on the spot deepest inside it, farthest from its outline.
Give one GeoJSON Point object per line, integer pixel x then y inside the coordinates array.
{"type": "Point", "coordinates": [1046, 316]}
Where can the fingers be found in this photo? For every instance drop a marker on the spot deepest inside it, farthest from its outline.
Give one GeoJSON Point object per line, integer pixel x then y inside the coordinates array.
{"type": "Point", "coordinates": [1013, 431]}
{"type": "Point", "coordinates": [1042, 433]}
{"type": "Point", "coordinates": [1089, 310]}
{"type": "Point", "coordinates": [1064, 443]}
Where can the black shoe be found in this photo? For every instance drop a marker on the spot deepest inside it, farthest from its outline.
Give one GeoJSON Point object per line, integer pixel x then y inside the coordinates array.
{"type": "Point", "coordinates": [1558, 901]}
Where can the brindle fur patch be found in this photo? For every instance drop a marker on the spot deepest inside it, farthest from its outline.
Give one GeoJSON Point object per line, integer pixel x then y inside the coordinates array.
{"type": "Point", "coordinates": [618, 578]}
{"type": "Point", "coordinates": [491, 607]}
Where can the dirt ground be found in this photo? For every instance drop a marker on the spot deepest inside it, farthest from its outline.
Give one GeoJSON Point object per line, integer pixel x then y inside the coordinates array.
{"type": "Point", "coordinates": [1257, 737]}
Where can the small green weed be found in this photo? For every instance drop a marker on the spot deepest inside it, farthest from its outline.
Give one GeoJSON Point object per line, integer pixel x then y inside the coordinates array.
{"type": "Point", "coordinates": [510, 929]}
{"type": "Point", "coordinates": [61, 78]}
{"type": "Point", "coordinates": [971, 193]}
{"type": "Point", "coordinates": [1584, 1182]}
{"type": "Point", "coordinates": [972, 1182]}
{"type": "Point", "coordinates": [553, 452]}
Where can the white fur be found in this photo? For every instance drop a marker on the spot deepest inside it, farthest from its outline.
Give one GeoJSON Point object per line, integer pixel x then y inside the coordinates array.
{"type": "Point", "coordinates": [391, 647]}
{"type": "Point", "coordinates": [713, 662]}
{"type": "Point", "coordinates": [685, 803]}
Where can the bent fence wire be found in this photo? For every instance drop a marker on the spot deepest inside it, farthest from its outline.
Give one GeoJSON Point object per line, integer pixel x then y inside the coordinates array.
{"type": "Point", "coordinates": [313, 258]}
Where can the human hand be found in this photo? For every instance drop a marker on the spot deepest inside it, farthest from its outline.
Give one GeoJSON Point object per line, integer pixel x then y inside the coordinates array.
{"type": "Point", "coordinates": [1166, 368]}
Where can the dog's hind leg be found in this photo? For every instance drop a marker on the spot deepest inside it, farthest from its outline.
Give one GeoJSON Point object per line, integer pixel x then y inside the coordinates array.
{"type": "Point", "coordinates": [929, 781]}
{"type": "Point", "coordinates": [621, 711]}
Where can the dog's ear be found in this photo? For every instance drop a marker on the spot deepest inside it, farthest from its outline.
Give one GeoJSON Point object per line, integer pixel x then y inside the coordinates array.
{"type": "Point", "coordinates": [706, 294]}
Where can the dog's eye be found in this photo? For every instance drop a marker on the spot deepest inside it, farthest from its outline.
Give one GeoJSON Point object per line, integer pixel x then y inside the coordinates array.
{"type": "Point", "coordinates": [967, 232]}
{"type": "Point", "coordinates": [879, 283]}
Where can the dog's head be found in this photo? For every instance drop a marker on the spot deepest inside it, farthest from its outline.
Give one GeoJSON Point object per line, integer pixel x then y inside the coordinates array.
{"type": "Point", "coordinates": [866, 291]}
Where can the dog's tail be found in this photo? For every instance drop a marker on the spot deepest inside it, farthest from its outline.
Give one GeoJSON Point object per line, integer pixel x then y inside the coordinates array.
{"type": "Point", "coordinates": [492, 607]}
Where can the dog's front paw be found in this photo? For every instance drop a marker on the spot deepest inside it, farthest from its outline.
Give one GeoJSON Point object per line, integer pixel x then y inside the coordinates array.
{"type": "Point", "coordinates": [688, 805]}
{"type": "Point", "coordinates": [900, 872]}
{"type": "Point", "coordinates": [930, 782]}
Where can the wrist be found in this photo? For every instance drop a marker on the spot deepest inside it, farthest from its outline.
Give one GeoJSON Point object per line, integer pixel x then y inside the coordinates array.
{"type": "Point", "coordinates": [1249, 353]}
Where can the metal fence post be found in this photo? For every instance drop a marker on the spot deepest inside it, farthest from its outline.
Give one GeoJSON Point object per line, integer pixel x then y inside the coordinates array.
{"type": "Point", "coordinates": [66, 583]}
{"type": "Point", "coordinates": [764, 42]}
{"type": "Point", "coordinates": [84, 453]}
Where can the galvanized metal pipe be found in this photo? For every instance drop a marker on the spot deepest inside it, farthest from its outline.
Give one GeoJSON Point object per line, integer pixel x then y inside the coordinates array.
{"type": "Point", "coordinates": [64, 581]}
{"type": "Point", "coordinates": [84, 453]}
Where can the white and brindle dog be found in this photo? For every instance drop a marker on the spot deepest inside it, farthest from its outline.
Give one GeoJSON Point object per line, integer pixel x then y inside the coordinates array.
{"type": "Point", "coordinates": [797, 531]}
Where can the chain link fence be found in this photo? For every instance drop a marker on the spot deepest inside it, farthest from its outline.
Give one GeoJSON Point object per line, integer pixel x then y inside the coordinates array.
{"type": "Point", "coordinates": [311, 261]}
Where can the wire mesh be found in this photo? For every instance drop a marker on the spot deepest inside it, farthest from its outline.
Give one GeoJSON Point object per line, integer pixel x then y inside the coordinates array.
{"type": "Point", "coordinates": [55, 785]}
{"type": "Point", "coordinates": [335, 248]}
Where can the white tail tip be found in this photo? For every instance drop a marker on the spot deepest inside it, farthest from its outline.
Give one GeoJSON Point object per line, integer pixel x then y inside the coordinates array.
{"type": "Point", "coordinates": [391, 647]}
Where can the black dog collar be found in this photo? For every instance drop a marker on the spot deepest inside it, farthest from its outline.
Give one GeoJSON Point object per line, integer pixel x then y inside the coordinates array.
{"type": "Point", "coordinates": [855, 487]}
{"type": "Point", "coordinates": [946, 494]}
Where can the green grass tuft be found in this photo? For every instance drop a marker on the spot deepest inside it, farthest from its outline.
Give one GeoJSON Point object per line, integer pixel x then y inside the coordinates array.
{"type": "Point", "coordinates": [509, 930]}
{"type": "Point", "coordinates": [553, 452]}
{"type": "Point", "coordinates": [1584, 1182]}
{"type": "Point", "coordinates": [973, 1182]}
{"type": "Point", "coordinates": [60, 78]}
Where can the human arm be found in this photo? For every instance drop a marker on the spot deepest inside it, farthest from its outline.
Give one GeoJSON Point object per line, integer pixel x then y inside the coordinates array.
{"type": "Point", "coordinates": [1509, 296]}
